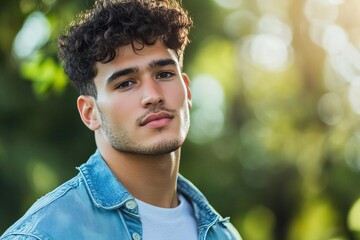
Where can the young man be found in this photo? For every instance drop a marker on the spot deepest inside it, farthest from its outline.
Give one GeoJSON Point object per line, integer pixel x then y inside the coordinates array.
{"type": "Point", "coordinates": [125, 58]}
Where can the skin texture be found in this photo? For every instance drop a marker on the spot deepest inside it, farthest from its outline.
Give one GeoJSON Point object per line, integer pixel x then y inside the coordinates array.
{"type": "Point", "coordinates": [140, 119]}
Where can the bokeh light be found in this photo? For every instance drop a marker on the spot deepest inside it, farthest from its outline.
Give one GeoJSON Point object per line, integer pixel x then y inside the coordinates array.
{"type": "Point", "coordinates": [229, 4]}
{"type": "Point", "coordinates": [38, 171]}
{"type": "Point", "coordinates": [331, 108]}
{"type": "Point", "coordinates": [352, 151]}
{"type": "Point", "coordinates": [34, 34]}
{"type": "Point", "coordinates": [354, 216]}
{"type": "Point", "coordinates": [248, 22]}
{"type": "Point", "coordinates": [207, 117]}
{"type": "Point", "coordinates": [354, 98]}
{"type": "Point", "coordinates": [268, 51]}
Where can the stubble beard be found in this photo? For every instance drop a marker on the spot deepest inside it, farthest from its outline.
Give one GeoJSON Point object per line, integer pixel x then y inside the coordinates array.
{"type": "Point", "coordinates": [120, 140]}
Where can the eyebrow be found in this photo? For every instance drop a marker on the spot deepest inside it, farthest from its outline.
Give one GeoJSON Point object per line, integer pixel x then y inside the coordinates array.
{"type": "Point", "coordinates": [162, 62]}
{"type": "Point", "coordinates": [152, 64]}
{"type": "Point", "coordinates": [122, 72]}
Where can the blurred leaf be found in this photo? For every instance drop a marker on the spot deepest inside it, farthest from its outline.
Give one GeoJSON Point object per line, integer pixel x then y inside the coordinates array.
{"type": "Point", "coordinates": [354, 217]}
{"type": "Point", "coordinates": [259, 224]}
{"type": "Point", "coordinates": [317, 220]}
{"type": "Point", "coordinates": [45, 74]}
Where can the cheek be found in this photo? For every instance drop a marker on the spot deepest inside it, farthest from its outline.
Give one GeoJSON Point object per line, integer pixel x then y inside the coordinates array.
{"type": "Point", "coordinates": [122, 114]}
{"type": "Point", "coordinates": [117, 111]}
{"type": "Point", "coordinates": [178, 96]}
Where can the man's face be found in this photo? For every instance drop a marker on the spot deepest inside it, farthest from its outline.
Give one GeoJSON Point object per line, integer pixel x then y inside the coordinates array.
{"type": "Point", "coordinates": [143, 101]}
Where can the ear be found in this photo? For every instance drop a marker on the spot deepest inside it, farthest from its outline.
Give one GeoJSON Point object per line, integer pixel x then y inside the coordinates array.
{"type": "Point", "coordinates": [187, 85]}
{"type": "Point", "coordinates": [88, 112]}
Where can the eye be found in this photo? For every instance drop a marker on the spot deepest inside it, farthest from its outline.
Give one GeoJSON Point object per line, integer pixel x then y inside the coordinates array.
{"type": "Point", "coordinates": [125, 84]}
{"type": "Point", "coordinates": [164, 75]}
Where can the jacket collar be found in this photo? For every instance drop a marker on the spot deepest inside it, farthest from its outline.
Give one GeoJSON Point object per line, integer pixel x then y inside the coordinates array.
{"type": "Point", "coordinates": [108, 193]}
{"type": "Point", "coordinates": [204, 212]}
{"type": "Point", "coordinates": [104, 188]}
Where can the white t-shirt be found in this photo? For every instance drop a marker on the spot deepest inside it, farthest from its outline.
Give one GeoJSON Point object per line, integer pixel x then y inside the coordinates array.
{"type": "Point", "coordinates": [177, 223]}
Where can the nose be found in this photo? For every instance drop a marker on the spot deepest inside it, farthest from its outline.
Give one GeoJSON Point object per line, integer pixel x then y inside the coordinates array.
{"type": "Point", "coordinates": [152, 94]}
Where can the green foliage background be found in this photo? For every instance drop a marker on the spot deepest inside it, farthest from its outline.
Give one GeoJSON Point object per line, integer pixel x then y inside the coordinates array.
{"type": "Point", "coordinates": [277, 149]}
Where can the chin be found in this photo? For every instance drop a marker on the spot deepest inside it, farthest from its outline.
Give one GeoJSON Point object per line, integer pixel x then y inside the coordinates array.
{"type": "Point", "coordinates": [162, 147]}
{"type": "Point", "coordinates": [165, 147]}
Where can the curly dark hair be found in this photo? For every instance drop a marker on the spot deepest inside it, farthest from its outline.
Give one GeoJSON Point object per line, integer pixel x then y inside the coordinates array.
{"type": "Point", "coordinates": [98, 32]}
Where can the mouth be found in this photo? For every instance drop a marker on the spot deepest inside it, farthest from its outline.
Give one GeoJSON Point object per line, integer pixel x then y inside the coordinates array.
{"type": "Point", "coordinates": [157, 119]}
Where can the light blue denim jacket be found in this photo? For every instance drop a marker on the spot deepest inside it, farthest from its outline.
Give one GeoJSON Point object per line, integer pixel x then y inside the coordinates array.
{"type": "Point", "coordinates": [95, 205]}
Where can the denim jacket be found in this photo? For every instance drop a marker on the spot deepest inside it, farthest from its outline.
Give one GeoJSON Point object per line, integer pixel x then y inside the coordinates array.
{"type": "Point", "coordinates": [95, 205]}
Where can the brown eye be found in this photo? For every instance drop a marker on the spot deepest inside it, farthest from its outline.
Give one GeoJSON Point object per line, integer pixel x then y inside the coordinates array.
{"type": "Point", "coordinates": [125, 84]}
{"type": "Point", "coordinates": [164, 75]}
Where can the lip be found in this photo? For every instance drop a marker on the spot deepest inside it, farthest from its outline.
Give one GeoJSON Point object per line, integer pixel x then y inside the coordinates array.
{"type": "Point", "coordinates": [157, 119]}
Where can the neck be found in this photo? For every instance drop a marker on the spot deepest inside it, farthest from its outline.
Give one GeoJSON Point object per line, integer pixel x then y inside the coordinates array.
{"type": "Point", "coordinates": [151, 179]}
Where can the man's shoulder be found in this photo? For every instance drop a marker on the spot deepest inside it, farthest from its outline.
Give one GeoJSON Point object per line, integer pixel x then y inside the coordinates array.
{"type": "Point", "coordinates": [68, 212]}
{"type": "Point", "coordinates": [61, 196]}
{"type": "Point", "coordinates": [54, 208]}
{"type": "Point", "coordinates": [19, 237]}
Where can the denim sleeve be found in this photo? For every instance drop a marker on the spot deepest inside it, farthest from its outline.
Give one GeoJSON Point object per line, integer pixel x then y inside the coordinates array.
{"type": "Point", "coordinates": [19, 237]}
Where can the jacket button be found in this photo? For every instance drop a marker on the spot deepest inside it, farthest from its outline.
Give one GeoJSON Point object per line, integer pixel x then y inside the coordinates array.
{"type": "Point", "coordinates": [131, 204]}
{"type": "Point", "coordinates": [136, 236]}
